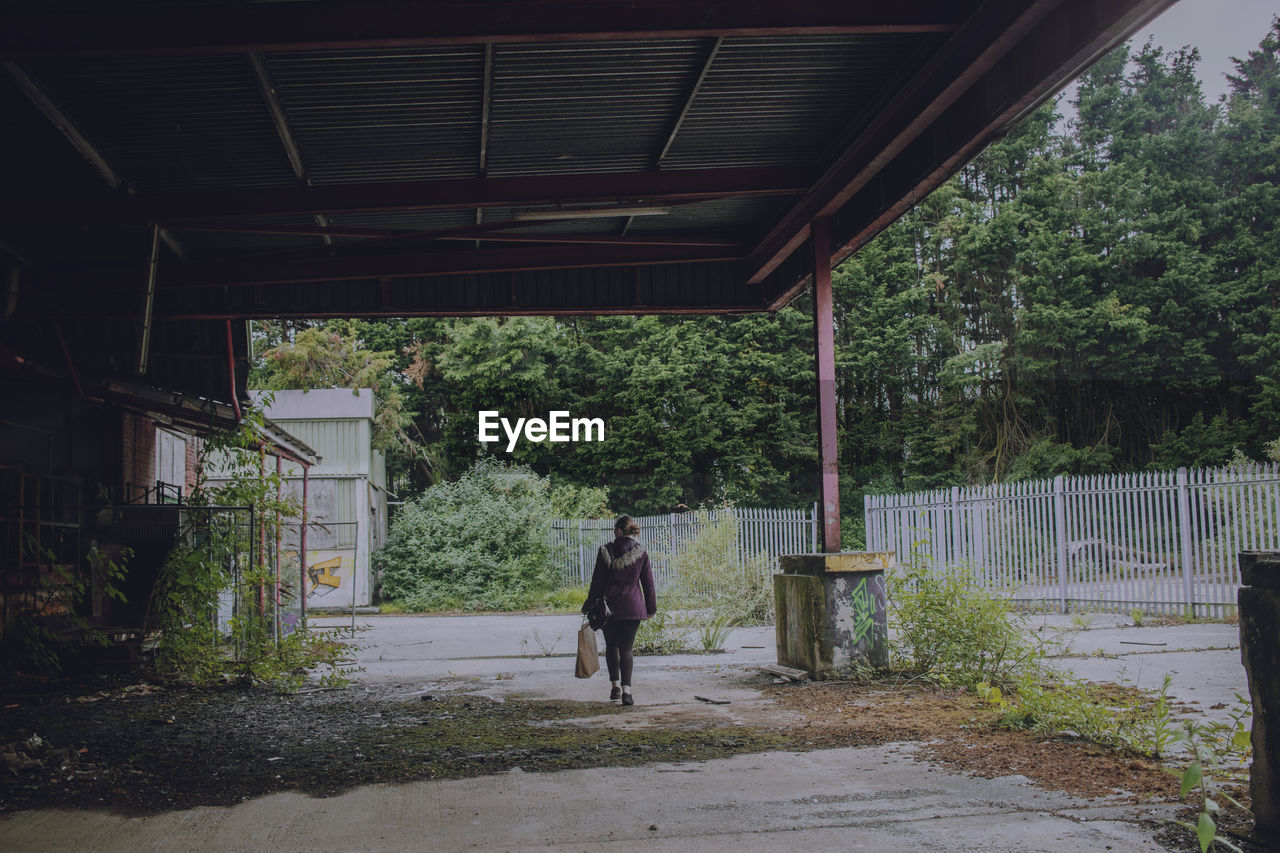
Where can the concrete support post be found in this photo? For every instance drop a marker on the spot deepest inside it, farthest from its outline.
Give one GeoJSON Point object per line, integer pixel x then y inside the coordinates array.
{"type": "Point", "coordinates": [825, 357]}
{"type": "Point", "coordinates": [830, 610]}
{"type": "Point", "coordinates": [1259, 601]}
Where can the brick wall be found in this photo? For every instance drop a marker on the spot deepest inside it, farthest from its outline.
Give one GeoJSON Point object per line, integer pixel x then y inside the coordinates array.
{"type": "Point", "coordinates": [138, 455]}
{"type": "Point", "coordinates": [193, 459]}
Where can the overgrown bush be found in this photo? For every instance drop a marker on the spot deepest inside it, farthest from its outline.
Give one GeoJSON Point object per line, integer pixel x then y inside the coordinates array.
{"type": "Point", "coordinates": [216, 558]}
{"type": "Point", "coordinates": [944, 624]}
{"type": "Point", "coordinates": [479, 543]}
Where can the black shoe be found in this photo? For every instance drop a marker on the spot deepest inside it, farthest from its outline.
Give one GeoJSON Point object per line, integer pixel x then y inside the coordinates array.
{"type": "Point", "coordinates": [615, 693]}
{"type": "Point", "coordinates": [627, 700]}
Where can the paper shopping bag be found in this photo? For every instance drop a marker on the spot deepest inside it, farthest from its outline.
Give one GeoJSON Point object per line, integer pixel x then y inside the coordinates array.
{"type": "Point", "coordinates": [588, 653]}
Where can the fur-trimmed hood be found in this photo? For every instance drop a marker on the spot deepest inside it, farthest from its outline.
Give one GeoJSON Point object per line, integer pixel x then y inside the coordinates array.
{"type": "Point", "coordinates": [625, 581]}
{"type": "Point", "coordinates": [626, 558]}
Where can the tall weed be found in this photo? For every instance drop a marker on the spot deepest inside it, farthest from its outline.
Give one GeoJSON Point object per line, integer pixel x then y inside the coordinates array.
{"type": "Point", "coordinates": [945, 625]}
{"type": "Point", "coordinates": [712, 573]}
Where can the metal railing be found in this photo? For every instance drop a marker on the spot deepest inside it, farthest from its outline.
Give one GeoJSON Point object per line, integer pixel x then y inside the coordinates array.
{"type": "Point", "coordinates": [762, 536]}
{"type": "Point", "coordinates": [1165, 542]}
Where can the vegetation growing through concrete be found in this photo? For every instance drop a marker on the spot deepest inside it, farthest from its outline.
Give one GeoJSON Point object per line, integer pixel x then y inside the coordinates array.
{"type": "Point", "coordinates": [194, 646]}
{"type": "Point", "coordinates": [950, 629]}
{"type": "Point", "coordinates": [946, 626]}
{"type": "Point", "coordinates": [714, 589]}
{"type": "Point", "coordinates": [712, 574]}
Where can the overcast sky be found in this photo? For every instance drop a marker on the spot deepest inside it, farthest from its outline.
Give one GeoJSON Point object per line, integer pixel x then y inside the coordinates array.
{"type": "Point", "coordinates": [1221, 29]}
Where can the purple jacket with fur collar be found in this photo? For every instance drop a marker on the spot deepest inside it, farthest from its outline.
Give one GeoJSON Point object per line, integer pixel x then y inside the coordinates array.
{"type": "Point", "coordinates": [623, 576]}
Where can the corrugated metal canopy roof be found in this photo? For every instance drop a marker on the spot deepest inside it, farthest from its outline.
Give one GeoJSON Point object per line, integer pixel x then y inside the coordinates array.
{"type": "Point", "coordinates": [313, 158]}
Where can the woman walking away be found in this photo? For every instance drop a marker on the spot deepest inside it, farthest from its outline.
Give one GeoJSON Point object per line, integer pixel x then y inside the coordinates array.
{"type": "Point", "coordinates": [623, 576]}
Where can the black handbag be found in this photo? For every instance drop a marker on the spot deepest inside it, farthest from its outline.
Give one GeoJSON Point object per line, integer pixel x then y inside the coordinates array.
{"type": "Point", "coordinates": [598, 613]}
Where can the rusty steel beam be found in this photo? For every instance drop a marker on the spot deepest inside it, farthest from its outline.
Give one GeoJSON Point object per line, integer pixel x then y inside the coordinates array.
{"type": "Point", "coordinates": [348, 313]}
{"type": "Point", "coordinates": [673, 186]}
{"type": "Point", "coordinates": [676, 288]}
{"type": "Point", "coordinates": [329, 230]}
{"type": "Point", "coordinates": [148, 307]}
{"type": "Point", "coordinates": [316, 230]}
{"type": "Point", "coordinates": [1064, 43]}
{"type": "Point", "coordinates": [486, 103]}
{"type": "Point", "coordinates": [602, 239]}
{"type": "Point", "coordinates": [279, 27]}
{"type": "Point", "coordinates": [491, 231]}
{"type": "Point", "coordinates": [970, 54]}
{"type": "Point", "coordinates": [262, 271]}
{"type": "Point", "coordinates": [59, 119]}
{"type": "Point", "coordinates": [342, 311]}
{"type": "Point", "coordinates": [710, 59]}
{"type": "Point", "coordinates": [270, 98]}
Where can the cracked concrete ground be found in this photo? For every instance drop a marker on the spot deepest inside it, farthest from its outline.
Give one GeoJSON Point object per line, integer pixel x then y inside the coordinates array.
{"type": "Point", "coordinates": [881, 798]}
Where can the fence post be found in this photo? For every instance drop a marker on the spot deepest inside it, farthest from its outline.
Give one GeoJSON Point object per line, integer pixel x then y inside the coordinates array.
{"type": "Point", "coordinates": [1060, 538]}
{"type": "Point", "coordinates": [978, 510]}
{"type": "Point", "coordinates": [866, 525]}
{"type": "Point", "coordinates": [957, 529]}
{"type": "Point", "coordinates": [737, 516]}
{"type": "Point", "coordinates": [813, 548]}
{"type": "Point", "coordinates": [671, 541]}
{"type": "Point", "coordinates": [582, 555]}
{"type": "Point", "coordinates": [1184, 539]}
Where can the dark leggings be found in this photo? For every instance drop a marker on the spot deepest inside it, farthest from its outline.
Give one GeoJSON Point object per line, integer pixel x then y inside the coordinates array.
{"type": "Point", "coordinates": [619, 637]}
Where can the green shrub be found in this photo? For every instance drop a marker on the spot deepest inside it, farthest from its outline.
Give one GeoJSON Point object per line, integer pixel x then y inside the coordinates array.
{"type": "Point", "coordinates": [479, 543]}
{"type": "Point", "coordinates": [946, 626]}
{"type": "Point", "coordinates": [215, 557]}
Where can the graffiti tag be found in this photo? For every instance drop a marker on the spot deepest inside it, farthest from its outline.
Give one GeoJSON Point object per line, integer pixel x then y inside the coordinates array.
{"type": "Point", "coordinates": [864, 611]}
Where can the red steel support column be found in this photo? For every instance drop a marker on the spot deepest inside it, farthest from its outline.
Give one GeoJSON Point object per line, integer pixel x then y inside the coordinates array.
{"type": "Point", "coordinates": [262, 543]}
{"type": "Point", "coordinates": [825, 356]}
{"type": "Point", "coordinates": [302, 549]}
{"type": "Point", "coordinates": [279, 542]}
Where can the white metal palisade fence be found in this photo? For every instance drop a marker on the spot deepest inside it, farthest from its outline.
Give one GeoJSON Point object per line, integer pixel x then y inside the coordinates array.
{"type": "Point", "coordinates": [1165, 542]}
{"type": "Point", "coordinates": [763, 535]}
